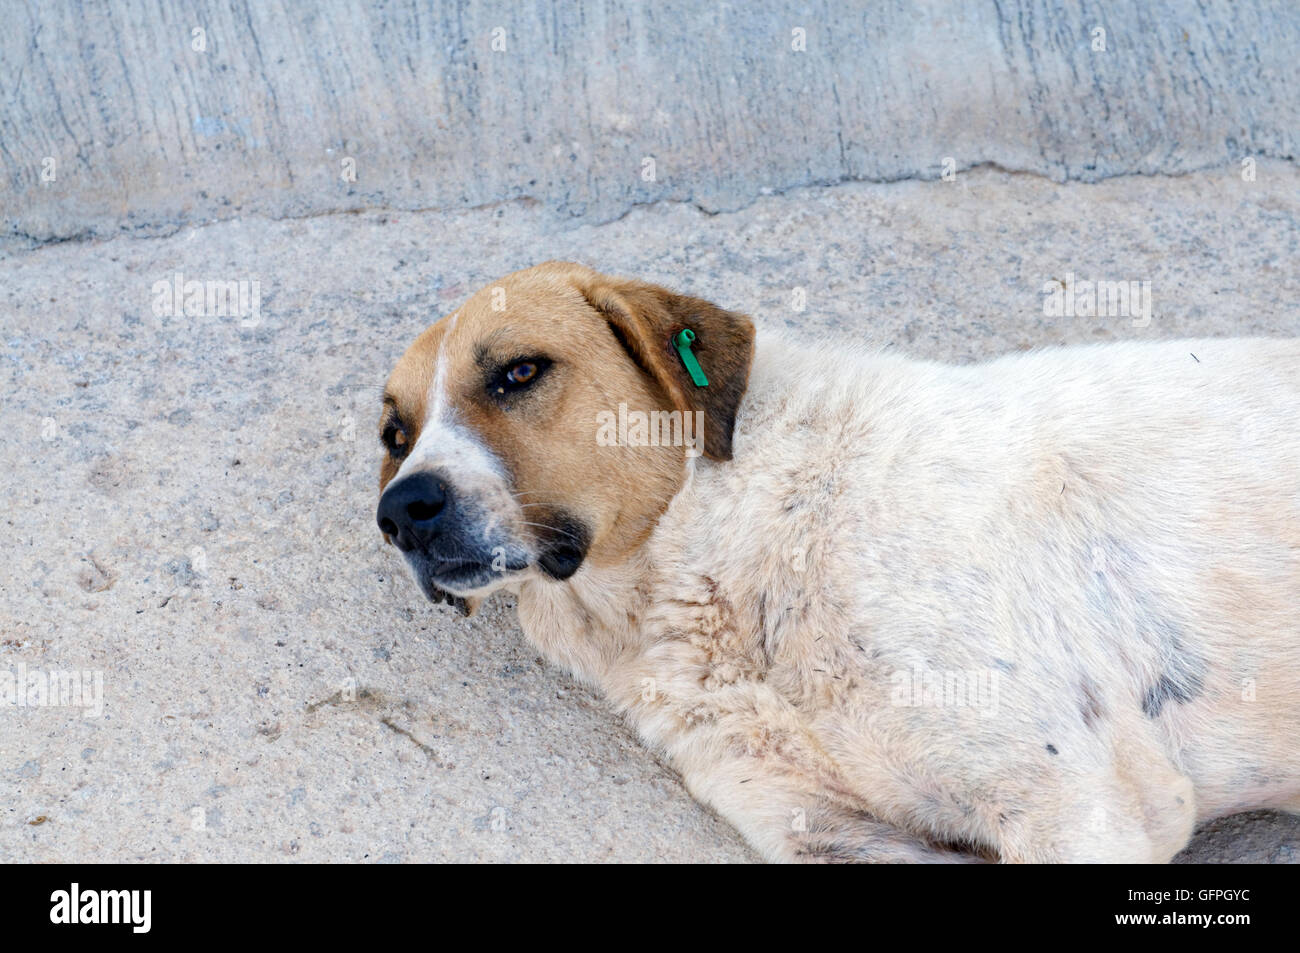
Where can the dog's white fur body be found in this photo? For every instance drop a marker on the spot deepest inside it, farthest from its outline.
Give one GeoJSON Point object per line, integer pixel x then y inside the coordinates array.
{"type": "Point", "coordinates": [1109, 536]}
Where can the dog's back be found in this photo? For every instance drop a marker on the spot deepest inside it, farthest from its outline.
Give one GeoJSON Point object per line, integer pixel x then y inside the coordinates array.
{"type": "Point", "coordinates": [1110, 535]}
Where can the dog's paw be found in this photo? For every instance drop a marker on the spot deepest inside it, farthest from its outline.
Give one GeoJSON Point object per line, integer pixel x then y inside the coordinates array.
{"type": "Point", "coordinates": [838, 835]}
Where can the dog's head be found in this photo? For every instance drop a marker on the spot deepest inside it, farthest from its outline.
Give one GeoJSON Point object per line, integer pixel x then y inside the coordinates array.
{"type": "Point", "coordinates": [547, 423]}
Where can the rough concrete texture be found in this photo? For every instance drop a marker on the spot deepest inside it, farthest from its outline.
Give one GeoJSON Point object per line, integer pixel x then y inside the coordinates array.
{"type": "Point", "coordinates": [150, 125]}
{"type": "Point", "coordinates": [190, 502]}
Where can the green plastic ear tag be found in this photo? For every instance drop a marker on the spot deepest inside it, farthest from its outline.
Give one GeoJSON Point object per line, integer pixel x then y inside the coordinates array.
{"type": "Point", "coordinates": [683, 341]}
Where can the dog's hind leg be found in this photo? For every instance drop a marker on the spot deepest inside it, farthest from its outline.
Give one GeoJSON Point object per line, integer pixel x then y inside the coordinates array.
{"type": "Point", "coordinates": [1138, 808]}
{"type": "Point", "coordinates": [840, 835]}
{"type": "Point", "coordinates": [790, 817]}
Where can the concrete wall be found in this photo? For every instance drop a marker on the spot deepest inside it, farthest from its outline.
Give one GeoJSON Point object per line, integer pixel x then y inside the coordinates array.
{"type": "Point", "coordinates": [146, 132]}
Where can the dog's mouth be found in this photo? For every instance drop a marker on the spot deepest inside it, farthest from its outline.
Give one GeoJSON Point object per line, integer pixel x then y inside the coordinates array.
{"type": "Point", "coordinates": [457, 571]}
{"type": "Point", "coordinates": [463, 574]}
{"type": "Point", "coordinates": [436, 595]}
{"type": "Point", "coordinates": [461, 577]}
{"type": "Point", "coordinates": [460, 583]}
{"type": "Point", "coordinates": [451, 581]}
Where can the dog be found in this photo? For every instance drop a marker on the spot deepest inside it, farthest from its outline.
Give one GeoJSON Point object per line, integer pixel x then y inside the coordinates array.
{"type": "Point", "coordinates": [1040, 609]}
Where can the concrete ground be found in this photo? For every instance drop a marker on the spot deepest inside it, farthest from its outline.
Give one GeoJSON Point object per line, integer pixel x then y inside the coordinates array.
{"type": "Point", "coordinates": [190, 502]}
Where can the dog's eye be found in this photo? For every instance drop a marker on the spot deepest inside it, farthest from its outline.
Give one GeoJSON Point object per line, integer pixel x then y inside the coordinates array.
{"type": "Point", "coordinates": [396, 441]}
{"type": "Point", "coordinates": [519, 375]}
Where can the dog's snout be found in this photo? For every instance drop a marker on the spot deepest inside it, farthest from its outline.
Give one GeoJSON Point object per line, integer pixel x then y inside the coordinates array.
{"type": "Point", "coordinates": [412, 510]}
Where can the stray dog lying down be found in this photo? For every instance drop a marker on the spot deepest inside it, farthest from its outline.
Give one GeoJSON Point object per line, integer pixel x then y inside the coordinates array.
{"type": "Point", "coordinates": [1045, 608]}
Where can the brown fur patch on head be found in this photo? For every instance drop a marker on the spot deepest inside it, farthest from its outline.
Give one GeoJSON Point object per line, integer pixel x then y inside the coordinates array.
{"type": "Point", "coordinates": [646, 318]}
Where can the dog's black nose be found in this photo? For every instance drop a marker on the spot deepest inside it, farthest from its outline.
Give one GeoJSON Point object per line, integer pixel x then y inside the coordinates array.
{"type": "Point", "coordinates": [411, 510]}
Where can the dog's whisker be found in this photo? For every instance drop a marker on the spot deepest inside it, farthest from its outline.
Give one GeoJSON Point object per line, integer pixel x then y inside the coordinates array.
{"type": "Point", "coordinates": [554, 529]}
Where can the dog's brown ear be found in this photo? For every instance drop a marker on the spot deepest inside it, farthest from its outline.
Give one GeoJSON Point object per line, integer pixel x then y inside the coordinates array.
{"type": "Point", "coordinates": [646, 318]}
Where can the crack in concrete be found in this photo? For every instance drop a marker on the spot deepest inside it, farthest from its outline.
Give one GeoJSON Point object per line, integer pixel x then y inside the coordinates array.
{"type": "Point", "coordinates": [429, 752]}
{"type": "Point", "coordinates": [168, 229]}
{"type": "Point", "coordinates": [367, 699]}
